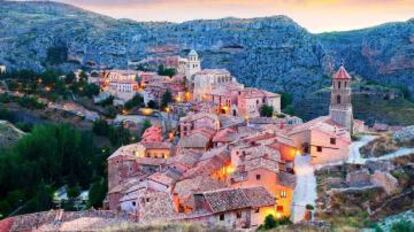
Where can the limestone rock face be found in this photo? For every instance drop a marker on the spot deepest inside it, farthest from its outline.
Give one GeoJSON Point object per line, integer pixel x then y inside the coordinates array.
{"type": "Point", "coordinates": [386, 181]}
{"type": "Point", "coordinates": [272, 53]}
{"type": "Point", "coordinates": [406, 135]}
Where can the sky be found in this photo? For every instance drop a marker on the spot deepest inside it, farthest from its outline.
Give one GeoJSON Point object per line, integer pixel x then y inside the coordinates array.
{"type": "Point", "coordinates": [314, 15]}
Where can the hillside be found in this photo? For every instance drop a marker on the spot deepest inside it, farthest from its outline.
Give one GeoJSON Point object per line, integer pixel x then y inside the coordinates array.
{"type": "Point", "coordinates": [273, 53]}
{"type": "Point", "coordinates": [9, 134]}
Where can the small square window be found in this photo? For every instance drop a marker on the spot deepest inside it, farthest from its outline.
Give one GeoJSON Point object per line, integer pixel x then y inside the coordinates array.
{"type": "Point", "coordinates": [238, 214]}
{"type": "Point", "coordinates": [257, 210]}
{"type": "Point", "coordinates": [333, 141]}
{"type": "Point", "coordinates": [147, 199]}
{"type": "Point", "coordinates": [134, 203]}
{"type": "Point", "coordinates": [319, 149]}
{"type": "Point", "coordinates": [258, 177]}
{"type": "Point", "coordinates": [221, 217]}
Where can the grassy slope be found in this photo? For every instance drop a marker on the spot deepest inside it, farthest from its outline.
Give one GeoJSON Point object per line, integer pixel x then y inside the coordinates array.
{"type": "Point", "coordinates": [394, 112]}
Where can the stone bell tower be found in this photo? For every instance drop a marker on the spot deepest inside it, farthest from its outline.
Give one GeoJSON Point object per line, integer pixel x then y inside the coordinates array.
{"type": "Point", "coordinates": [340, 109]}
{"type": "Point", "coordinates": [193, 65]}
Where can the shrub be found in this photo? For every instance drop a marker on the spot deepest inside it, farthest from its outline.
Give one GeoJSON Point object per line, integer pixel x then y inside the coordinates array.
{"type": "Point", "coordinates": [266, 111]}
{"type": "Point", "coordinates": [271, 222]}
{"type": "Point", "coordinates": [403, 226]}
{"type": "Point", "coordinates": [136, 101]}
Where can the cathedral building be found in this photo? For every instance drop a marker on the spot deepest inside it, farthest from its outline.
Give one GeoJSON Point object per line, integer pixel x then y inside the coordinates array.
{"type": "Point", "coordinates": [340, 109]}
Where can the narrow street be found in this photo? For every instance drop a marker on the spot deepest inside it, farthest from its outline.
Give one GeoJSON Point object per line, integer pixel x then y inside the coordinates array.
{"type": "Point", "coordinates": [305, 191]}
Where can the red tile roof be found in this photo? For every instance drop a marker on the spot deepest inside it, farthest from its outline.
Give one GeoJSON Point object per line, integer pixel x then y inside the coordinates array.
{"type": "Point", "coordinates": [342, 74]}
{"type": "Point", "coordinates": [223, 200]}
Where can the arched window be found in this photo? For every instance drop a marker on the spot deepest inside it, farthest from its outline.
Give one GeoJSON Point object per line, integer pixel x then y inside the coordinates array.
{"type": "Point", "coordinates": [339, 84]}
{"type": "Point", "coordinates": [338, 99]}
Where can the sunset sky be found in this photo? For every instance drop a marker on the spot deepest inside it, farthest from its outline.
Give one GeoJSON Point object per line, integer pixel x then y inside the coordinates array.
{"type": "Point", "coordinates": [315, 15]}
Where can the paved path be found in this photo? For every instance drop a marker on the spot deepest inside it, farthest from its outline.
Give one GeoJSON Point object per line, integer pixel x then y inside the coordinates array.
{"type": "Point", "coordinates": [305, 191]}
{"type": "Point", "coordinates": [355, 155]}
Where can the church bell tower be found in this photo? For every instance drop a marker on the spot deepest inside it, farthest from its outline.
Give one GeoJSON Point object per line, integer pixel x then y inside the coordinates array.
{"type": "Point", "coordinates": [340, 109]}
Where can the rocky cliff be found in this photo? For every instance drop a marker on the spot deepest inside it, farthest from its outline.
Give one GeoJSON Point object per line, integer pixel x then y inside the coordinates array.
{"type": "Point", "coordinates": [273, 53]}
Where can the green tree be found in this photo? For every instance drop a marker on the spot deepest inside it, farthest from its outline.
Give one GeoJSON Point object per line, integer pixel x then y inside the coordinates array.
{"type": "Point", "coordinates": [145, 125]}
{"type": "Point", "coordinates": [166, 98]}
{"type": "Point", "coordinates": [166, 71]}
{"type": "Point", "coordinates": [136, 101]}
{"type": "Point", "coordinates": [91, 90]}
{"type": "Point", "coordinates": [286, 100]}
{"type": "Point", "coordinates": [266, 111]}
{"type": "Point", "coordinates": [70, 78]}
{"type": "Point", "coordinates": [152, 104]}
{"type": "Point", "coordinates": [83, 76]}
{"type": "Point", "coordinates": [270, 222]}
{"type": "Point", "coordinates": [403, 226]}
{"type": "Point", "coordinates": [97, 193]}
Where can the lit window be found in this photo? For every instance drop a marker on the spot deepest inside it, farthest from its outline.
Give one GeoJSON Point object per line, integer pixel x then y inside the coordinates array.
{"type": "Point", "coordinates": [283, 194]}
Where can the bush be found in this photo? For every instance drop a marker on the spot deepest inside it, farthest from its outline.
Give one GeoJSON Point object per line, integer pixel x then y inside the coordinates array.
{"type": "Point", "coordinates": [271, 222]}
{"type": "Point", "coordinates": [166, 71]}
{"type": "Point", "coordinates": [152, 104]}
{"type": "Point", "coordinates": [136, 101]}
{"type": "Point", "coordinates": [266, 111]}
{"type": "Point", "coordinates": [403, 226]}
{"type": "Point", "coordinates": [97, 193]}
{"type": "Point", "coordinates": [310, 207]}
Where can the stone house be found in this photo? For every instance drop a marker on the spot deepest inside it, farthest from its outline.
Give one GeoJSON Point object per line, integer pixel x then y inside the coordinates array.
{"type": "Point", "coordinates": [323, 139]}
{"type": "Point", "coordinates": [251, 99]}
{"type": "Point", "coordinates": [198, 121]}
{"type": "Point", "coordinates": [122, 84]}
{"type": "Point", "coordinates": [208, 79]}
{"type": "Point", "coordinates": [234, 207]}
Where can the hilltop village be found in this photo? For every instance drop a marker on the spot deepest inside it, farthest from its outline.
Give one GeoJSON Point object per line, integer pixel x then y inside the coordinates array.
{"type": "Point", "coordinates": [224, 162]}
{"type": "Point", "coordinates": [180, 144]}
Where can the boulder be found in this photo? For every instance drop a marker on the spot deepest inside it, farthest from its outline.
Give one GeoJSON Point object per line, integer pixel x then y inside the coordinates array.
{"type": "Point", "coordinates": [358, 178]}
{"type": "Point", "coordinates": [386, 181]}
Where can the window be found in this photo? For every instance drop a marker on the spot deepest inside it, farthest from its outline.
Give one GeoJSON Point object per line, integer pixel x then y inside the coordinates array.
{"type": "Point", "coordinates": [134, 203]}
{"type": "Point", "coordinates": [147, 199]}
{"type": "Point", "coordinates": [283, 194]}
{"type": "Point", "coordinates": [222, 217]}
{"type": "Point", "coordinates": [339, 85]}
{"type": "Point", "coordinates": [238, 214]}
{"type": "Point", "coordinates": [258, 177]}
{"type": "Point", "coordinates": [338, 99]}
{"type": "Point", "coordinates": [257, 210]}
{"type": "Point", "coordinates": [279, 208]}
{"type": "Point", "coordinates": [333, 141]}
{"type": "Point", "coordinates": [319, 149]}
